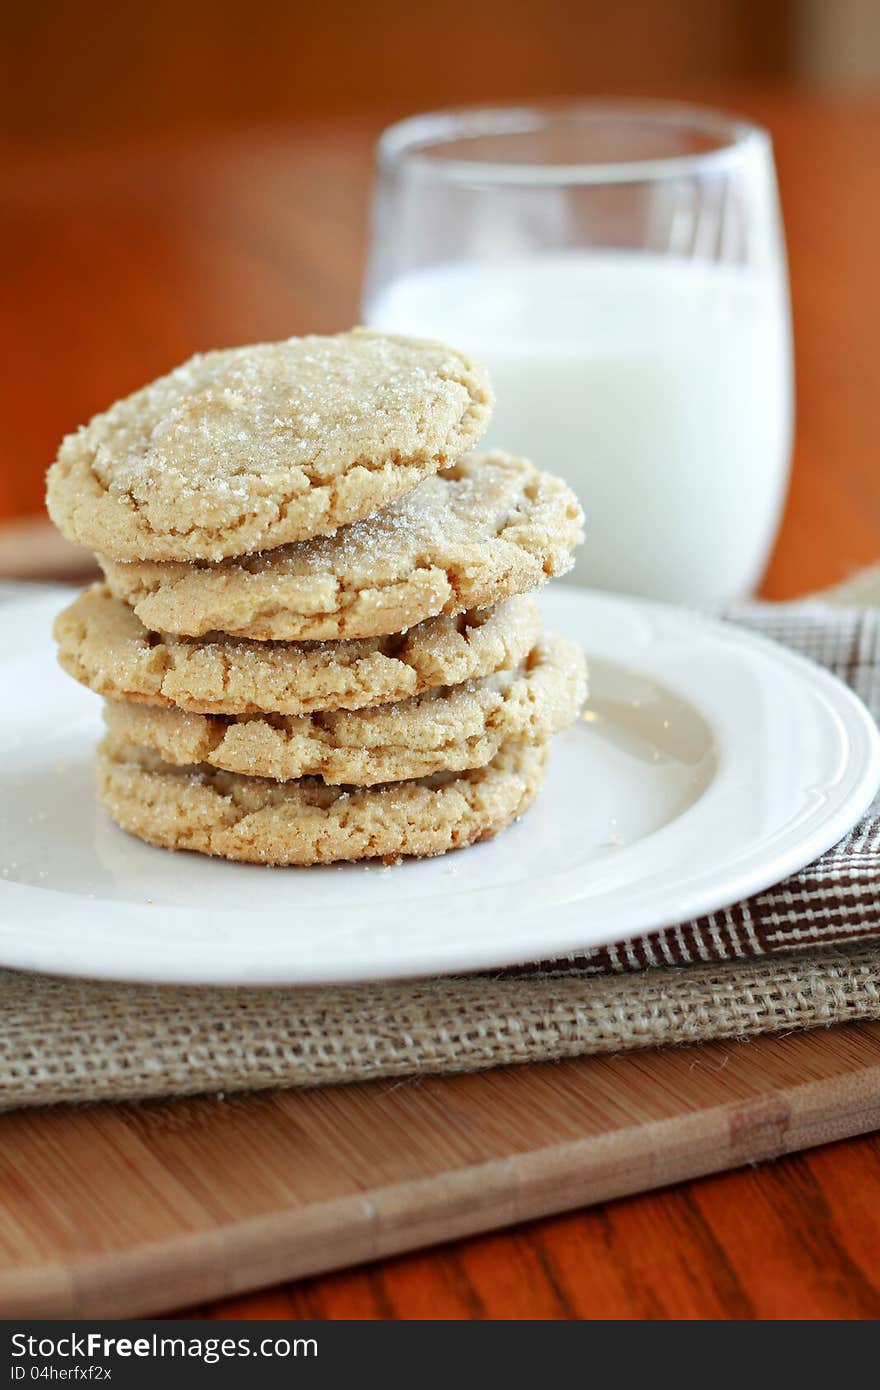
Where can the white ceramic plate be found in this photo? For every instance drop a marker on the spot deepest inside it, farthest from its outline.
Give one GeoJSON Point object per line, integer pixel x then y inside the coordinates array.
{"type": "Point", "coordinates": [710, 764]}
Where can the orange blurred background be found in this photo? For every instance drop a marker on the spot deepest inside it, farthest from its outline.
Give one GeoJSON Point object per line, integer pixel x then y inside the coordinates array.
{"type": "Point", "coordinates": [184, 175]}
{"type": "Point", "coordinates": [95, 70]}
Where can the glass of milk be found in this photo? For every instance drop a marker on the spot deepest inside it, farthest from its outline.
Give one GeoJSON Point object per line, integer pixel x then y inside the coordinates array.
{"type": "Point", "coordinates": [620, 270]}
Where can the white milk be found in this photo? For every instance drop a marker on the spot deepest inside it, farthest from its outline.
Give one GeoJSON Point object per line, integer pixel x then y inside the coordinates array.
{"type": "Point", "coordinates": [659, 388]}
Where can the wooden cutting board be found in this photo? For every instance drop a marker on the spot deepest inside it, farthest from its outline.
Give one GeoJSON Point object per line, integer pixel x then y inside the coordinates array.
{"type": "Point", "coordinates": [128, 1210]}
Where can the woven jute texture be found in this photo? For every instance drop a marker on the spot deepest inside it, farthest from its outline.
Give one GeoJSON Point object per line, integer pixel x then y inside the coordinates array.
{"type": "Point", "coordinates": [83, 1041]}
{"type": "Point", "coordinates": [803, 954]}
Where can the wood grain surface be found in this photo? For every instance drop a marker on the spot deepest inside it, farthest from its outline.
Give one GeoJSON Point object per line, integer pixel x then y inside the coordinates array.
{"type": "Point", "coordinates": [119, 262]}
{"type": "Point", "coordinates": [115, 1211]}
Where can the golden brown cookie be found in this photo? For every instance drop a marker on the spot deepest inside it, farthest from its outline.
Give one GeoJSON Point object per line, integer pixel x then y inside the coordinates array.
{"type": "Point", "coordinates": [254, 447]}
{"type": "Point", "coordinates": [489, 527]}
{"type": "Point", "coordinates": [307, 822]}
{"type": "Point", "coordinates": [103, 644]}
{"type": "Point", "coordinates": [445, 730]}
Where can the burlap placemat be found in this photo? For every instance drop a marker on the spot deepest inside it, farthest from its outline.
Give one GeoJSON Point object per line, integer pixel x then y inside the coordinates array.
{"type": "Point", "coordinates": [800, 955]}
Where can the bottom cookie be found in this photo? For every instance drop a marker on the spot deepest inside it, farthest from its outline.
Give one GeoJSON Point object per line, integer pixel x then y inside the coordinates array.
{"type": "Point", "coordinates": [261, 821]}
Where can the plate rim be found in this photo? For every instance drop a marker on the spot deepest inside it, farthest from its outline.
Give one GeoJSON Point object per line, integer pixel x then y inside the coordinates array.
{"type": "Point", "coordinates": [828, 829]}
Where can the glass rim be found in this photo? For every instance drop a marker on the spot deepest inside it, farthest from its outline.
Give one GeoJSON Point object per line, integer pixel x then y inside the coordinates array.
{"type": "Point", "coordinates": [412, 142]}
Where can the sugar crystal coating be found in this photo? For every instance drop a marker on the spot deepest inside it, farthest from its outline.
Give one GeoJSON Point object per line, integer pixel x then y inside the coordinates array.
{"type": "Point", "coordinates": [249, 448]}
{"type": "Point", "coordinates": [488, 527]}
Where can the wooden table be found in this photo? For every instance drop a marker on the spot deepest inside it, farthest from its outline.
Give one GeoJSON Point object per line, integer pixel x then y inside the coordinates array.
{"type": "Point", "coordinates": [120, 262]}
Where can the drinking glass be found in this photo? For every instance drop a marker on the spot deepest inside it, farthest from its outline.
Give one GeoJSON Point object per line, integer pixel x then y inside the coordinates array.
{"type": "Point", "coordinates": [620, 269]}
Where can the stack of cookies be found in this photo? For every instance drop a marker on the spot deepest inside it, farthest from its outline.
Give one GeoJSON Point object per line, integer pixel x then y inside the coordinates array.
{"type": "Point", "coordinates": [315, 640]}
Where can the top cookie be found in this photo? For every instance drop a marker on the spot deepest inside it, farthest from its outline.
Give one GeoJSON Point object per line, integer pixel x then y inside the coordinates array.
{"type": "Point", "coordinates": [489, 527]}
{"type": "Point", "coordinates": [254, 447]}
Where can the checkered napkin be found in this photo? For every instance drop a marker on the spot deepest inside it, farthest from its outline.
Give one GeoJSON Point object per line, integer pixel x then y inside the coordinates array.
{"type": "Point", "coordinates": [804, 953]}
